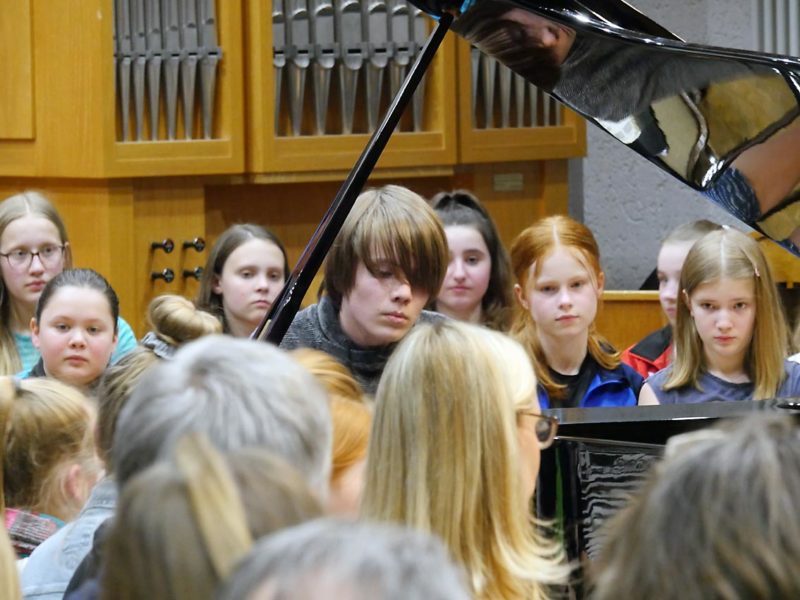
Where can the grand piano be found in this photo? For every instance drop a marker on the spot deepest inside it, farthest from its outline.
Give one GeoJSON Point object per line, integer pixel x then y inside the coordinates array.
{"type": "Point", "coordinates": [724, 122]}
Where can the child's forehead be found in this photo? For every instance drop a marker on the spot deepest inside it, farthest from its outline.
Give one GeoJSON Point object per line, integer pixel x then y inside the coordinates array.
{"type": "Point", "coordinates": [69, 297]}
{"type": "Point", "coordinates": [725, 287]}
{"type": "Point", "coordinates": [560, 261]}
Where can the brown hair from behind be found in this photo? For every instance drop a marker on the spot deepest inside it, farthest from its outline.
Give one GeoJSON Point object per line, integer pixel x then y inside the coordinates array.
{"type": "Point", "coordinates": [47, 427]}
{"type": "Point", "coordinates": [181, 525]}
{"type": "Point", "coordinates": [528, 250]}
{"type": "Point", "coordinates": [391, 224]}
{"type": "Point", "coordinates": [715, 519]}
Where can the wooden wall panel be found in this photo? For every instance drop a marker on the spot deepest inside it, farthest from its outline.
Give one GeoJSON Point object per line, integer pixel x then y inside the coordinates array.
{"type": "Point", "coordinates": [293, 210]}
{"type": "Point", "coordinates": [165, 208]}
{"type": "Point", "coordinates": [627, 316]}
{"type": "Point", "coordinates": [16, 71]}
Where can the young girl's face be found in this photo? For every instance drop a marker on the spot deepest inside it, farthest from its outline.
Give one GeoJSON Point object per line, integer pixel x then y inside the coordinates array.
{"type": "Point", "coordinates": [25, 276]}
{"type": "Point", "coordinates": [251, 279]}
{"type": "Point", "coordinates": [562, 298]}
{"type": "Point", "coordinates": [75, 335]}
{"type": "Point", "coordinates": [468, 272]}
{"type": "Point", "coordinates": [724, 314]}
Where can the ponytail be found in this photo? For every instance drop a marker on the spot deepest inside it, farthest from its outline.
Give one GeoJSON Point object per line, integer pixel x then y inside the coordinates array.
{"type": "Point", "coordinates": [215, 502]}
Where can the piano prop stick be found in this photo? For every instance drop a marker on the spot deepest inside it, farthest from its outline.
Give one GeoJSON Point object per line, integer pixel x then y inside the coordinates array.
{"type": "Point", "coordinates": [275, 323]}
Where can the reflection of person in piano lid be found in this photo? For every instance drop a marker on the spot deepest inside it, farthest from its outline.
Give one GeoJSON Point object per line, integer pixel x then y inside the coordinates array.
{"type": "Point", "coordinates": [730, 333]}
{"type": "Point", "coordinates": [716, 519]}
{"type": "Point", "coordinates": [598, 75]}
{"type": "Point", "coordinates": [387, 261]}
{"type": "Point", "coordinates": [559, 284]}
{"type": "Point", "coordinates": [455, 451]}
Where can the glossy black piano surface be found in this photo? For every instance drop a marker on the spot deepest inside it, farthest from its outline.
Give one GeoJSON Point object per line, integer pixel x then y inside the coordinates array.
{"type": "Point", "coordinates": [601, 456]}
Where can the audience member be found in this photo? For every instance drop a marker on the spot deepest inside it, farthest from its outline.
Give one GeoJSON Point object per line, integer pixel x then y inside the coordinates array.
{"type": "Point", "coordinates": [9, 580]}
{"type": "Point", "coordinates": [240, 394]}
{"type": "Point", "coordinates": [327, 559]}
{"type": "Point", "coordinates": [174, 321]}
{"type": "Point", "coordinates": [478, 286]}
{"type": "Point", "coordinates": [75, 328]}
{"type": "Point", "coordinates": [730, 333]}
{"type": "Point", "coordinates": [244, 274]}
{"type": "Point", "coordinates": [559, 286]}
{"type": "Point", "coordinates": [352, 419]}
{"type": "Point", "coordinates": [48, 460]}
{"type": "Point", "coordinates": [654, 352]}
{"type": "Point", "coordinates": [387, 261]}
{"type": "Point", "coordinates": [717, 518]}
{"type": "Point", "coordinates": [454, 451]}
{"type": "Point", "coordinates": [183, 524]}
{"type": "Point", "coordinates": [34, 248]}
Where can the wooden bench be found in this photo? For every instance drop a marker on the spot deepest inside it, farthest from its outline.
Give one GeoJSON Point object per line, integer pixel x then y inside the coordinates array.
{"type": "Point", "coordinates": [626, 316]}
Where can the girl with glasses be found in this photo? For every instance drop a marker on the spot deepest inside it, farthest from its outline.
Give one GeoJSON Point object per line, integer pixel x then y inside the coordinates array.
{"type": "Point", "coordinates": [454, 451]}
{"type": "Point", "coordinates": [34, 248]}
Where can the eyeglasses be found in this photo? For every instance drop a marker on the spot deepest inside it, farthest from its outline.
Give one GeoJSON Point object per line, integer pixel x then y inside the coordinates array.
{"type": "Point", "coordinates": [545, 428]}
{"type": "Point", "coordinates": [50, 256]}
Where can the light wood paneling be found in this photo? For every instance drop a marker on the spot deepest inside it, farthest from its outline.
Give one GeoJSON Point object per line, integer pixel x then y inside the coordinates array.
{"type": "Point", "coordinates": [627, 316]}
{"type": "Point", "coordinates": [16, 71]}
{"type": "Point", "coordinates": [166, 208]}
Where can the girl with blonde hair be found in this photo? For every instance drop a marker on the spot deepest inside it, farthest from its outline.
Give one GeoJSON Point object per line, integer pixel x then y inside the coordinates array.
{"type": "Point", "coordinates": [731, 338]}
{"type": "Point", "coordinates": [454, 451]}
{"type": "Point", "coordinates": [181, 526]}
{"type": "Point", "coordinates": [34, 248]}
{"type": "Point", "coordinates": [352, 419]}
{"type": "Point", "coordinates": [48, 460]}
{"type": "Point", "coordinates": [559, 286]}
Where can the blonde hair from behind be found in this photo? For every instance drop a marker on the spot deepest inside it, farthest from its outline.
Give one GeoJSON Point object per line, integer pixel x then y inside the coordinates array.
{"type": "Point", "coordinates": [9, 572]}
{"type": "Point", "coordinates": [24, 204]}
{"type": "Point", "coordinates": [47, 427]}
{"type": "Point", "coordinates": [210, 508]}
{"type": "Point", "coordinates": [731, 254]}
{"type": "Point", "coordinates": [528, 250]}
{"type": "Point", "coordinates": [176, 320]}
{"type": "Point", "coordinates": [444, 455]}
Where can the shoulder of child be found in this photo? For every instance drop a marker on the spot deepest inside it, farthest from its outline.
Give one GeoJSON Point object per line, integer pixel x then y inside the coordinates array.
{"type": "Point", "coordinates": [126, 340]}
{"type": "Point", "coordinates": [304, 329]}
{"type": "Point", "coordinates": [791, 386]}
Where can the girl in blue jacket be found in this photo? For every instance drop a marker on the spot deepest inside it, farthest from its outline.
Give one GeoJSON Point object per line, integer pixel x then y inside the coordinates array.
{"type": "Point", "coordinates": [556, 262]}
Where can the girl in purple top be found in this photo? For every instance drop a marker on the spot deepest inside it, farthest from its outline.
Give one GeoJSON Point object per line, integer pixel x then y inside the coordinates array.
{"type": "Point", "coordinates": [730, 333]}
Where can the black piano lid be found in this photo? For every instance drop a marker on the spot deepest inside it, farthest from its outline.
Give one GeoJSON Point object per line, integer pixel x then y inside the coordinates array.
{"type": "Point", "coordinates": [656, 424]}
{"type": "Point", "coordinates": [692, 110]}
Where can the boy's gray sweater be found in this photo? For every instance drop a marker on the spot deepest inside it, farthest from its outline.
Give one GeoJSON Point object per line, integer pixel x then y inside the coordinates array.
{"type": "Point", "coordinates": [318, 327]}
